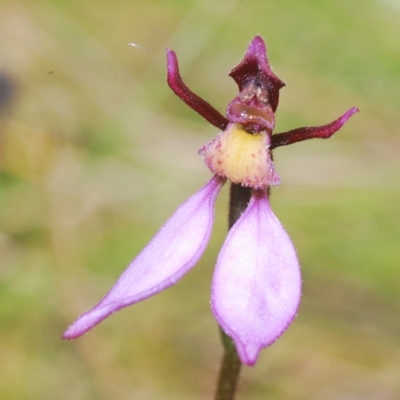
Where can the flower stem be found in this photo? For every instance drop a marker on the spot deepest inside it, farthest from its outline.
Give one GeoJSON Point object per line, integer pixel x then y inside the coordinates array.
{"type": "Point", "coordinates": [238, 201]}
{"type": "Point", "coordinates": [230, 367]}
{"type": "Point", "coordinates": [230, 370]}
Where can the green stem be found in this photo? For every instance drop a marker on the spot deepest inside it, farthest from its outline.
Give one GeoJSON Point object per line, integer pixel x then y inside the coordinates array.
{"type": "Point", "coordinates": [230, 370]}
{"type": "Point", "coordinates": [230, 367]}
{"type": "Point", "coordinates": [238, 200]}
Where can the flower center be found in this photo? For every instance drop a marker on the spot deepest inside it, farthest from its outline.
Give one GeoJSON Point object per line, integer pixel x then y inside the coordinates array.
{"type": "Point", "coordinates": [242, 157]}
{"type": "Point", "coordinates": [249, 113]}
{"type": "Point", "coordinates": [251, 107]}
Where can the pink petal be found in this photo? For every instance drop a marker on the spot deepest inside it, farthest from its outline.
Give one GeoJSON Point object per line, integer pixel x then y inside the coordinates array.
{"type": "Point", "coordinates": [257, 285]}
{"type": "Point", "coordinates": [172, 252]}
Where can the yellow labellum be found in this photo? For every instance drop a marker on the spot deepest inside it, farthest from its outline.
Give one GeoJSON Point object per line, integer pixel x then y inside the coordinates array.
{"type": "Point", "coordinates": [241, 157]}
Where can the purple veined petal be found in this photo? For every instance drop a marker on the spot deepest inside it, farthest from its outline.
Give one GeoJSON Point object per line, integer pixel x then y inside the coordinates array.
{"type": "Point", "coordinates": [172, 252]}
{"type": "Point", "coordinates": [257, 284]}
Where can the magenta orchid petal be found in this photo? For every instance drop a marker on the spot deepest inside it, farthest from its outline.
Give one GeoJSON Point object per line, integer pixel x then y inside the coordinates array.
{"type": "Point", "coordinates": [172, 252]}
{"type": "Point", "coordinates": [257, 285]}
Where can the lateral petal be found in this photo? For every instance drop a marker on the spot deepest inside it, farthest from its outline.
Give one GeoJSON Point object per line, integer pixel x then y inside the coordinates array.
{"type": "Point", "coordinates": [311, 132]}
{"type": "Point", "coordinates": [172, 252]}
{"type": "Point", "coordinates": [257, 284]}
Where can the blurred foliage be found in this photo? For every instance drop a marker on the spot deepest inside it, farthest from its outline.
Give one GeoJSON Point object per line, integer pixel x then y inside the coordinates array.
{"type": "Point", "coordinates": [96, 153]}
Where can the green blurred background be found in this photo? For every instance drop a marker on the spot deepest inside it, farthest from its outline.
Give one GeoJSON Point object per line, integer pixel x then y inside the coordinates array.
{"type": "Point", "coordinates": [96, 152]}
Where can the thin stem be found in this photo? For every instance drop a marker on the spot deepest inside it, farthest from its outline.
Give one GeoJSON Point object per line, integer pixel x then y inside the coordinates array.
{"type": "Point", "coordinates": [230, 370]}
{"type": "Point", "coordinates": [230, 367]}
{"type": "Point", "coordinates": [239, 198]}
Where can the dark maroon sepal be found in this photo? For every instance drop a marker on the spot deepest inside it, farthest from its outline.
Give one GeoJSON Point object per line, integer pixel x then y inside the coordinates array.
{"type": "Point", "coordinates": [255, 65]}
{"type": "Point", "coordinates": [322, 132]}
{"type": "Point", "coordinates": [175, 82]}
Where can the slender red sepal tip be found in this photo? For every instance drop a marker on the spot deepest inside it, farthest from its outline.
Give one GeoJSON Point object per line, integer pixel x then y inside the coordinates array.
{"type": "Point", "coordinates": [175, 82]}
{"type": "Point", "coordinates": [322, 132]}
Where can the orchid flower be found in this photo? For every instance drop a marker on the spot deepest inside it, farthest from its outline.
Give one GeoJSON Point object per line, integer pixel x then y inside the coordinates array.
{"type": "Point", "coordinates": [256, 286]}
